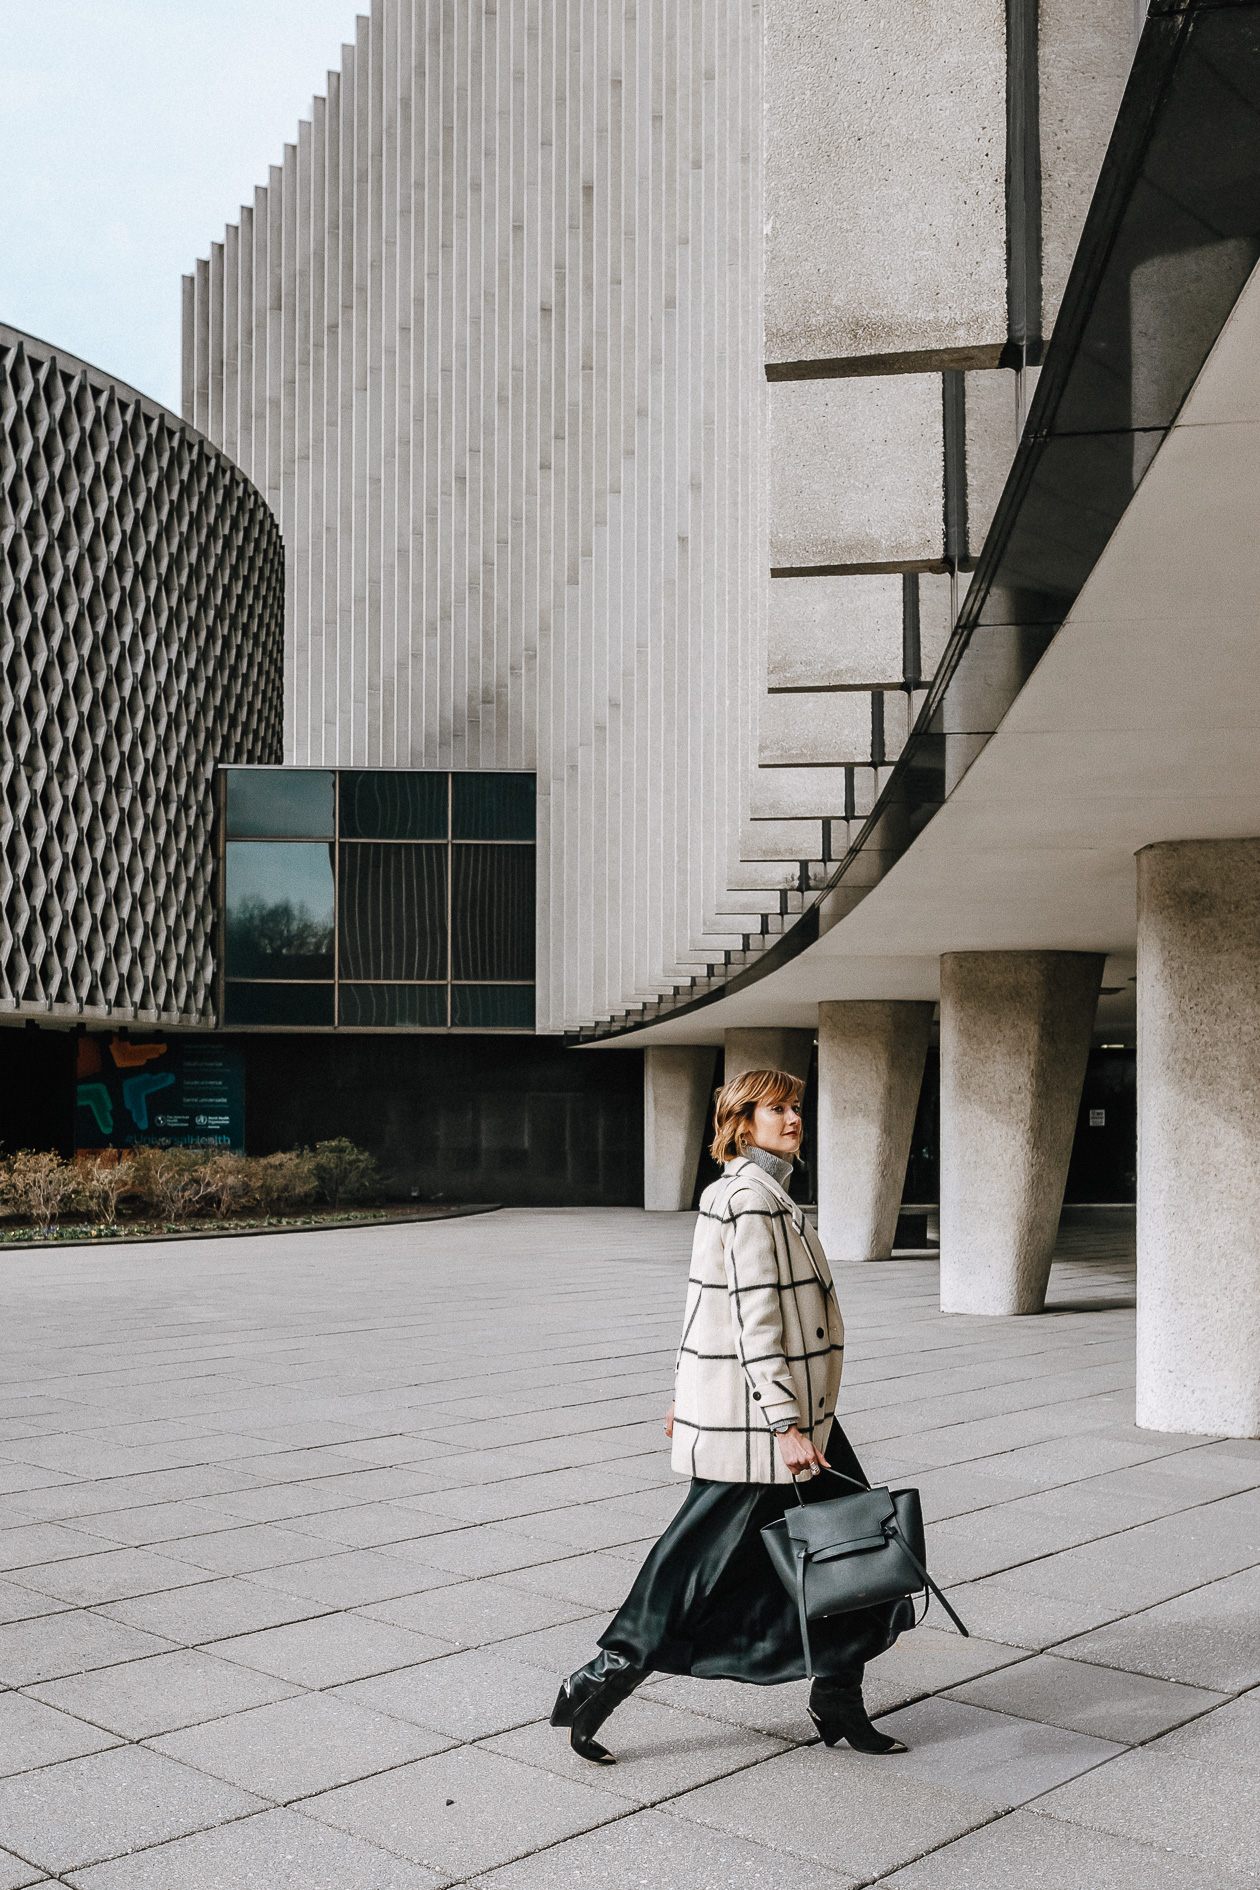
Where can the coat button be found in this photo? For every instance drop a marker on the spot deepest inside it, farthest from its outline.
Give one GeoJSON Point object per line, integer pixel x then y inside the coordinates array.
{"type": "Point", "coordinates": [757, 1396]}
{"type": "Point", "coordinates": [820, 1404]}
{"type": "Point", "coordinates": [821, 1333]}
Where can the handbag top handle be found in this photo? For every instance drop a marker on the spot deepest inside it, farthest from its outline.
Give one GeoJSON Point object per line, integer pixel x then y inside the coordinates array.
{"type": "Point", "coordinates": [796, 1488]}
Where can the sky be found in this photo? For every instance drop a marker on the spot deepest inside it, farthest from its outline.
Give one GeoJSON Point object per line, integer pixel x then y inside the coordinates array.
{"type": "Point", "coordinates": [131, 131]}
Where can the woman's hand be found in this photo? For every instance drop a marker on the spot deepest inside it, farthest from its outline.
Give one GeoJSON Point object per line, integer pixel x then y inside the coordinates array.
{"type": "Point", "coordinates": [669, 1422]}
{"type": "Point", "coordinates": [799, 1453]}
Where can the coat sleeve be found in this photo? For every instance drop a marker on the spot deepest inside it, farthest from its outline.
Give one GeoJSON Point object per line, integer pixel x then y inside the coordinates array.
{"type": "Point", "coordinates": [752, 1283]}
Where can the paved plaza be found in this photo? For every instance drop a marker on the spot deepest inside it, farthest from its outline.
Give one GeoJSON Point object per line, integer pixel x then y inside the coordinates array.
{"type": "Point", "coordinates": [301, 1532]}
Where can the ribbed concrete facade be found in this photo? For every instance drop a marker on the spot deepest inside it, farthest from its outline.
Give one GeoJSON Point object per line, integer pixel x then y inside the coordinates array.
{"type": "Point", "coordinates": [489, 341]}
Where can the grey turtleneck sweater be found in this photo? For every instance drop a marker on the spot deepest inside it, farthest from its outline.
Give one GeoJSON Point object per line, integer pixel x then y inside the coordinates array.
{"type": "Point", "coordinates": [777, 1169]}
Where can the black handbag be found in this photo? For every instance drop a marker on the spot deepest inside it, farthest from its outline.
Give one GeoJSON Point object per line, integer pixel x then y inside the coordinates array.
{"type": "Point", "coordinates": [851, 1552]}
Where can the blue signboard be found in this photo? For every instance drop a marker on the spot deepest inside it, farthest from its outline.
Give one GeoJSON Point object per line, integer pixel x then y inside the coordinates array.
{"type": "Point", "coordinates": [165, 1094]}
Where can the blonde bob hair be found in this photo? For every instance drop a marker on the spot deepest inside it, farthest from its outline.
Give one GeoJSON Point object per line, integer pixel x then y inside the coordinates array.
{"type": "Point", "coordinates": [736, 1102]}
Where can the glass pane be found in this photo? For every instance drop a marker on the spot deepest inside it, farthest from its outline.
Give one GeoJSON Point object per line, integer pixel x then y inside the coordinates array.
{"type": "Point", "coordinates": [414, 1006]}
{"type": "Point", "coordinates": [279, 910]}
{"type": "Point", "coordinates": [492, 1006]}
{"type": "Point", "coordinates": [273, 803]}
{"type": "Point", "coordinates": [393, 912]}
{"type": "Point", "coordinates": [492, 912]}
{"type": "Point", "coordinates": [492, 806]}
{"type": "Point", "coordinates": [279, 1004]}
{"type": "Point", "coordinates": [380, 805]}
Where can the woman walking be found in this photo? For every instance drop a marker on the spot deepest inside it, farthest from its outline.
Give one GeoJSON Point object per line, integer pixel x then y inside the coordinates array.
{"type": "Point", "coordinates": [756, 1381]}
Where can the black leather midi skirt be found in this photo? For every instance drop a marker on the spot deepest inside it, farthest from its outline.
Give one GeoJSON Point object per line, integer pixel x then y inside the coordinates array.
{"type": "Point", "coordinates": [707, 1601]}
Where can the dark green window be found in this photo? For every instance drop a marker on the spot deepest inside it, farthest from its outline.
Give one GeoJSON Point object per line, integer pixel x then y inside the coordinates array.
{"type": "Point", "coordinates": [377, 899]}
{"type": "Point", "coordinates": [280, 804]}
{"type": "Point", "coordinates": [279, 908]}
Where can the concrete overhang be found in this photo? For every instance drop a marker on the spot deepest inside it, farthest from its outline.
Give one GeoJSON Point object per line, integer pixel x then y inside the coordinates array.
{"type": "Point", "coordinates": [1140, 723]}
{"type": "Point", "coordinates": [1101, 687]}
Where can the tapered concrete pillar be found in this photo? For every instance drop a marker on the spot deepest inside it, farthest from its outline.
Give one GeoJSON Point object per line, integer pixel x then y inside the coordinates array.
{"type": "Point", "coordinates": [789, 1050]}
{"type": "Point", "coordinates": [1198, 1335]}
{"type": "Point", "coordinates": [1015, 1035]}
{"type": "Point", "coordinates": [870, 1072]}
{"type": "Point", "coordinates": [677, 1084]}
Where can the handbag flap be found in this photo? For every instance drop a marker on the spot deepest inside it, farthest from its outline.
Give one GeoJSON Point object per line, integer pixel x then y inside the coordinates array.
{"type": "Point", "coordinates": [861, 1546]}
{"type": "Point", "coordinates": [845, 1525]}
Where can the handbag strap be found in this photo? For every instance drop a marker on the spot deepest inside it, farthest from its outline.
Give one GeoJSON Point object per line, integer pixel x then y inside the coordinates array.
{"type": "Point", "coordinates": [800, 1607]}
{"type": "Point", "coordinates": [928, 1583]}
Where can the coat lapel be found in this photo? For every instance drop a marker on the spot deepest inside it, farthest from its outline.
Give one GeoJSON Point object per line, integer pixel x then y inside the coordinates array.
{"type": "Point", "coordinates": [749, 1170]}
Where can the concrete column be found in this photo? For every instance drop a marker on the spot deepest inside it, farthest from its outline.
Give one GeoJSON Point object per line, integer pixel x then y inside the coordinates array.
{"type": "Point", "coordinates": [870, 1072]}
{"type": "Point", "coordinates": [789, 1050]}
{"type": "Point", "coordinates": [1198, 1336]}
{"type": "Point", "coordinates": [1015, 1034]}
{"type": "Point", "coordinates": [677, 1085]}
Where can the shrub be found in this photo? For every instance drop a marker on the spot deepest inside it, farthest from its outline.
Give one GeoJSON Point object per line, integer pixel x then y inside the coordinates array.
{"type": "Point", "coordinates": [103, 1182]}
{"type": "Point", "coordinates": [173, 1182]}
{"type": "Point", "coordinates": [230, 1182]}
{"type": "Point", "coordinates": [343, 1172]}
{"type": "Point", "coordinates": [39, 1185]}
{"type": "Point", "coordinates": [283, 1180]}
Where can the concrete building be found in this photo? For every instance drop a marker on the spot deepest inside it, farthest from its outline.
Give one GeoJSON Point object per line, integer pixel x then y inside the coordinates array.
{"type": "Point", "coordinates": [766, 504]}
{"type": "Point", "coordinates": [816, 441]}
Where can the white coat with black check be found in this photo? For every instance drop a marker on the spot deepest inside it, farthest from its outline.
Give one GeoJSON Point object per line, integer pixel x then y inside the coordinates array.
{"type": "Point", "coordinates": [762, 1340]}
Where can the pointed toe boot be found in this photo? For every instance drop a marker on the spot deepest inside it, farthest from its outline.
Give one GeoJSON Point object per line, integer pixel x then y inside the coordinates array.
{"type": "Point", "coordinates": [839, 1712]}
{"type": "Point", "coordinates": [588, 1696]}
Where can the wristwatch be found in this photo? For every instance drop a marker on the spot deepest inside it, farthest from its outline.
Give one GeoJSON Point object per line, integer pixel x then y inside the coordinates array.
{"type": "Point", "coordinates": [784, 1424]}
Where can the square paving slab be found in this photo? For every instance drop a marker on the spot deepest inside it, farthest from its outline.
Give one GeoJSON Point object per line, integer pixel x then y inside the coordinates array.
{"type": "Point", "coordinates": [143, 1697]}
{"type": "Point", "coordinates": [994, 1755]}
{"type": "Point", "coordinates": [466, 1810]}
{"type": "Point", "coordinates": [1028, 1851]}
{"type": "Point", "coordinates": [833, 1808]}
{"type": "Point", "coordinates": [661, 1853]}
{"type": "Point", "coordinates": [86, 1810]}
{"type": "Point", "coordinates": [1103, 1701]}
{"type": "Point", "coordinates": [1207, 1811]}
{"type": "Point", "coordinates": [300, 1746]}
{"type": "Point", "coordinates": [276, 1850]}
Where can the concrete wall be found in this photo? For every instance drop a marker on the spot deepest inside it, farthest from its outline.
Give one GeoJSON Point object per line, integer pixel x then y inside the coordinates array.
{"type": "Point", "coordinates": [855, 471]}
{"type": "Point", "coordinates": [894, 215]}
{"type": "Point", "coordinates": [885, 173]}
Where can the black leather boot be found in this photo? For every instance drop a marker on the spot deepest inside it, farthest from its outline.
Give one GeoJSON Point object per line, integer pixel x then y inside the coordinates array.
{"type": "Point", "coordinates": [588, 1696]}
{"type": "Point", "coordinates": [839, 1712]}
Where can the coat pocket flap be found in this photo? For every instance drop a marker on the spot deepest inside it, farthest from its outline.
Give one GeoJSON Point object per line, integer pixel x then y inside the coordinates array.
{"type": "Point", "coordinates": [843, 1524]}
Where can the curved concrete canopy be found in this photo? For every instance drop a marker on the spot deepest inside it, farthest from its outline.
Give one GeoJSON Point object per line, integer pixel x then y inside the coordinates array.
{"type": "Point", "coordinates": [1140, 723]}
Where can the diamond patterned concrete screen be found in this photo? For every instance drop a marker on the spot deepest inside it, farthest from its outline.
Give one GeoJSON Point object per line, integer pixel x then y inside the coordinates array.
{"type": "Point", "coordinates": [141, 643]}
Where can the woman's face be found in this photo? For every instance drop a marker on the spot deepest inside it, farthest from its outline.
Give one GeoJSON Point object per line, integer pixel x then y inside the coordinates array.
{"type": "Point", "coordinates": [777, 1127]}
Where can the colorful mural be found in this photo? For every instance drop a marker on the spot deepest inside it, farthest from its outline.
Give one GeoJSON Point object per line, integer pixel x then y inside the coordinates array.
{"type": "Point", "coordinates": [169, 1094]}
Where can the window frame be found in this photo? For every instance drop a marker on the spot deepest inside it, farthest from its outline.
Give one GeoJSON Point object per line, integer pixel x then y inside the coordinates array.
{"type": "Point", "coordinates": [448, 845]}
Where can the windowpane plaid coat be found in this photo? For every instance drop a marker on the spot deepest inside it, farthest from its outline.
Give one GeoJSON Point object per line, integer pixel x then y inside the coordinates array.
{"type": "Point", "coordinates": [762, 1340]}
